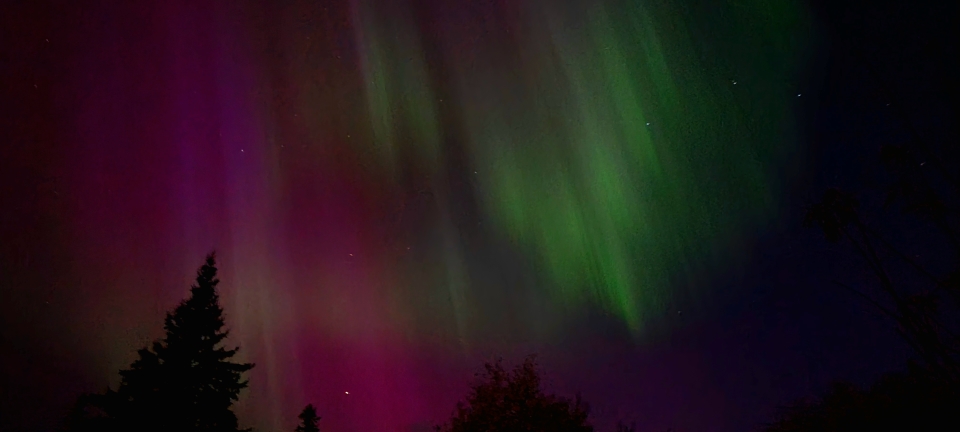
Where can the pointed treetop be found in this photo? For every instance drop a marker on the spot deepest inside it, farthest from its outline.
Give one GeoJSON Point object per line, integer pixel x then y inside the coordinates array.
{"type": "Point", "coordinates": [200, 315]}
{"type": "Point", "coordinates": [207, 274]}
{"type": "Point", "coordinates": [308, 420]}
{"type": "Point", "coordinates": [187, 380]}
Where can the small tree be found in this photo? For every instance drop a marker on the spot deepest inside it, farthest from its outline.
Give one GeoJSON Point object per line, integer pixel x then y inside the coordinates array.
{"type": "Point", "coordinates": [94, 412]}
{"type": "Point", "coordinates": [308, 420]}
{"type": "Point", "coordinates": [504, 401]}
{"type": "Point", "coordinates": [184, 382]}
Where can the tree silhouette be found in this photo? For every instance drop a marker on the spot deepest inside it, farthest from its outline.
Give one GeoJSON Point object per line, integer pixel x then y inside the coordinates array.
{"type": "Point", "coordinates": [926, 304]}
{"type": "Point", "coordinates": [903, 401]}
{"type": "Point", "coordinates": [918, 290]}
{"type": "Point", "coordinates": [184, 382]}
{"type": "Point", "coordinates": [308, 420]}
{"type": "Point", "coordinates": [515, 402]}
{"type": "Point", "coordinates": [95, 412]}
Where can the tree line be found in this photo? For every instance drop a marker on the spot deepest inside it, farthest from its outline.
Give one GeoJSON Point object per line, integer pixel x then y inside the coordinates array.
{"type": "Point", "coordinates": [188, 381]}
{"type": "Point", "coordinates": [918, 296]}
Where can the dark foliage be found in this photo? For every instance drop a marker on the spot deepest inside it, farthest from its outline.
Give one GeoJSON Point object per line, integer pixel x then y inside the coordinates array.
{"type": "Point", "coordinates": [921, 298]}
{"type": "Point", "coordinates": [94, 412]}
{"type": "Point", "coordinates": [515, 402]}
{"type": "Point", "coordinates": [184, 382]}
{"type": "Point", "coordinates": [925, 305]}
{"type": "Point", "coordinates": [308, 420]}
{"type": "Point", "coordinates": [899, 402]}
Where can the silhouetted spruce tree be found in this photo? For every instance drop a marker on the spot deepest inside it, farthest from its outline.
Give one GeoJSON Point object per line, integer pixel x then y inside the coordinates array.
{"type": "Point", "coordinates": [308, 420]}
{"type": "Point", "coordinates": [183, 382]}
{"type": "Point", "coordinates": [509, 402]}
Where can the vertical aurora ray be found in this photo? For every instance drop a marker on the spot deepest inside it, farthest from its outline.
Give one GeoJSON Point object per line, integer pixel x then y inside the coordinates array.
{"type": "Point", "coordinates": [614, 156]}
{"type": "Point", "coordinates": [394, 186]}
{"type": "Point", "coordinates": [404, 116]}
{"type": "Point", "coordinates": [401, 102]}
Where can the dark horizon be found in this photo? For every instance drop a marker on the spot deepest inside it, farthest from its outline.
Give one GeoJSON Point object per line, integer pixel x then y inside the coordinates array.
{"type": "Point", "coordinates": [400, 193]}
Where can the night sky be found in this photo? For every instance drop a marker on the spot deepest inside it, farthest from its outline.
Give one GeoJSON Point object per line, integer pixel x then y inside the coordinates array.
{"type": "Point", "coordinates": [400, 190]}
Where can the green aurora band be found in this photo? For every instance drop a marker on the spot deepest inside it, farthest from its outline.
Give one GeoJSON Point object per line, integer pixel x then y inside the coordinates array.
{"type": "Point", "coordinates": [623, 144]}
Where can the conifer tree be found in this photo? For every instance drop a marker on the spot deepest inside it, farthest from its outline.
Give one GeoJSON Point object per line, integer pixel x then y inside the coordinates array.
{"type": "Point", "coordinates": [308, 420]}
{"type": "Point", "coordinates": [185, 381]}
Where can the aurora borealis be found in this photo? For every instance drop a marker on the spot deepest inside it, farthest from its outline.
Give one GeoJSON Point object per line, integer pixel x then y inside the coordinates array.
{"type": "Point", "coordinates": [397, 188]}
{"type": "Point", "coordinates": [594, 133]}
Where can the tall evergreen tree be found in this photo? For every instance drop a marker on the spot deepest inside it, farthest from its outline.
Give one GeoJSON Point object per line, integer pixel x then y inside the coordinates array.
{"type": "Point", "coordinates": [185, 381]}
{"type": "Point", "coordinates": [308, 420]}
